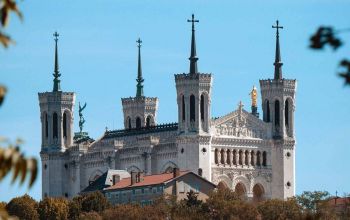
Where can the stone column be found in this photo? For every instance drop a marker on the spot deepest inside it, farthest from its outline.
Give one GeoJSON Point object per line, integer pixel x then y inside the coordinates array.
{"type": "Point", "coordinates": [237, 157]}
{"type": "Point", "coordinates": [219, 156]}
{"type": "Point", "coordinates": [249, 157]}
{"type": "Point", "coordinates": [225, 157]}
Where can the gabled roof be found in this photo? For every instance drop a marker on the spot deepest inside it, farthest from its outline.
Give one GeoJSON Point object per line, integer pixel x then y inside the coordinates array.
{"type": "Point", "coordinates": [105, 180]}
{"type": "Point", "coordinates": [97, 185]}
{"type": "Point", "coordinates": [149, 180]}
{"type": "Point", "coordinates": [146, 180]}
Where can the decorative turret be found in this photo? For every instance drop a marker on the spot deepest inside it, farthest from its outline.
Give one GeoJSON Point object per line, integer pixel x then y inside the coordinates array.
{"type": "Point", "coordinates": [139, 111]}
{"type": "Point", "coordinates": [193, 94]}
{"type": "Point", "coordinates": [57, 113]}
{"type": "Point", "coordinates": [278, 97]}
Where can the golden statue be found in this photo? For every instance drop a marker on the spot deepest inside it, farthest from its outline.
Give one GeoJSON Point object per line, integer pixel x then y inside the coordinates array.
{"type": "Point", "coordinates": [254, 96]}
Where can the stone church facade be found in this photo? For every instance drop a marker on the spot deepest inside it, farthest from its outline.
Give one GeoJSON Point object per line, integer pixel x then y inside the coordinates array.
{"type": "Point", "coordinates": [253, 156]}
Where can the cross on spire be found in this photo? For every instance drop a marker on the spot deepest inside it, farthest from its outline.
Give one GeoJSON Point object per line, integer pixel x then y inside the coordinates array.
{"type": "Point", "coordinates": [278, 63]}
{"type": "Point", "coordinates": [139, 80]}
{"type": "Point", "coordinates": [56, 74]}
{"type": "Point", "coordinates": [139, 42]}
{"type": "Point", "coordinates": [193, 58]}
{"type": "Point", "coordinates": [193, 21]}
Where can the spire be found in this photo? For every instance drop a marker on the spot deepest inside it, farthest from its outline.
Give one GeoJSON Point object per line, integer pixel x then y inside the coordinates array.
{"type": "Point", "coordinates": [278, 63]}
{"type": "Point", "coordinates": [56, 80]}
{"type": "Point", "coordinates": [139, 80]}
{"type": "Point", "coordinates": [193, 58]}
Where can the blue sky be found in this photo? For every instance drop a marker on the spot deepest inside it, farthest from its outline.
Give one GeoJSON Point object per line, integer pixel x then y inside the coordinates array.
{"type": "Point", "coordinates": [235, 42]}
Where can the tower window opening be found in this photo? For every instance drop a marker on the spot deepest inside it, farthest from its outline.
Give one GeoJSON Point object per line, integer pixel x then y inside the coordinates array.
{"type": "Point", "coordinates": [192, 108]}
{"type": "Point", "coordinates": [129, 123]}
{"type": "Point", "coordinates": [46, 126]}
{"type": "Point", "coordinates": [286, 113]}
{"type": "Point", "coordinates": [267, 109]}
{"type": "Point", "coordinates": [64, 125]}
{"type": "Point", "coordinates": [138, 122]}
{"type": "Point", "coordinates": [277, 113]}
{"type": "Point", "coordinates": [264, 159]}
{"type": "Point", "coordinates": [148, 121]}
{"type": "Point", "coordinates": [55, 125]}
{"type": "Point", "coordinates": [202, 107]}
{"type": "Point", "coordinates": [183, 108]}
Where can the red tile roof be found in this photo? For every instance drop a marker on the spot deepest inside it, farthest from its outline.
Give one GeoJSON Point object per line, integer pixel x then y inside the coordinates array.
{"type": "Point", "coordinates": [146, 180]}
{"type": "Point", "coordinates": [339, 201]}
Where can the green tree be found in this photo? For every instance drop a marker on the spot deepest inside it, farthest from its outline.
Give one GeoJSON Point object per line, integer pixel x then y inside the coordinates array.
{"type": "Point", "coordinates": [192, 199]}
{"type": "Point", "coordinates": [53, 209]}
{"type": "Point", "coordinates": [315, 205]}
{"type": "Point", "coordinates": [24, 207]}
{"type": "Point", "coordinates": [311, 201]}
{"type": "Point", "coordinates": [276, 209]}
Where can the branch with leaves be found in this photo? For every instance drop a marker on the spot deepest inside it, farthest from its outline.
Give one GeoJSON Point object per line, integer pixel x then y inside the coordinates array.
{"type": "Point", "coordinates": [11, 159]}
{"type": "Point", "coordinates": [329, 36]}
{"type": "Point", "coordinates": [6, 7]}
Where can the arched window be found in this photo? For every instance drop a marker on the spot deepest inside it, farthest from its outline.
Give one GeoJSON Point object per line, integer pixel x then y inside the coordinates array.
{"type": "Point", "coordinates": [202, 107]}
{"type": "Point", "coordinates": [258, 160]}
{"type": "Point", "coordinates": [183, 108]}
{"type": "Point", "coordinates": [64, 125]}
{"type": "Point", "coordinates": [286, 113]}
{"type": "Point", "coordinates": [138, 122]}
{"type": "Point", "coordinates": [46, 126]}
{"type": "Point", "coordinates": [264, 159]}
{"type": "Point", "coordinates": [192, 108]}
{"type": "Point", "coordinates": [55, 125]}
{"type": "Point", "coordinates": [277, 113]}
{"type": "Point", "coordinates": [258, 193]}
{"type": "Point", "coordinates": [148, 121]}
{"type": "Point", "coordinates": [129, 122]}
{"type": "Point", "coordinates": [240, 190]}
{"type": "Point", "coordinates": [267, 111]}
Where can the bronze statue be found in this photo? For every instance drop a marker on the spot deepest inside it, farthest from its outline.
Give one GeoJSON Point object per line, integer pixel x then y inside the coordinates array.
{"type": "Point", "coordinates": [81, 120]}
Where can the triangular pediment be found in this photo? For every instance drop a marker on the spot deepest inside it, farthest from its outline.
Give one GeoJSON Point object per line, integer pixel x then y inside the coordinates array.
{"type": "Point", "coordinates": [242, 124]}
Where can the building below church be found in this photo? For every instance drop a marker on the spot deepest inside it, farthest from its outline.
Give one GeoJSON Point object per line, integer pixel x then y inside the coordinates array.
{"type": "Point", "coordinates": [253, 156]}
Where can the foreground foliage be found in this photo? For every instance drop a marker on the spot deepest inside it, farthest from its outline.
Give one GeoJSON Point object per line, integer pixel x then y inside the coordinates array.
{"type": "Point", "coordinates": [222, 204]}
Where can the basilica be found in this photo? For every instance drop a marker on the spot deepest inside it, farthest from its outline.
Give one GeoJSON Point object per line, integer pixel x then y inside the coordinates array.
{"type": "Point", "coordinates": [251, 155]}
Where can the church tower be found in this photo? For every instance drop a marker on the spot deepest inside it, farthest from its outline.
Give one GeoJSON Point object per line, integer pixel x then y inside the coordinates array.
{"type": "Point", "coordinates": [194, 100]}
{"type": "Point", "coordinates": [139, 111]}
{"type": "Point", "coordinates": [278, 103]}
{"type": "Point", "coordinates": [56, 113]}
